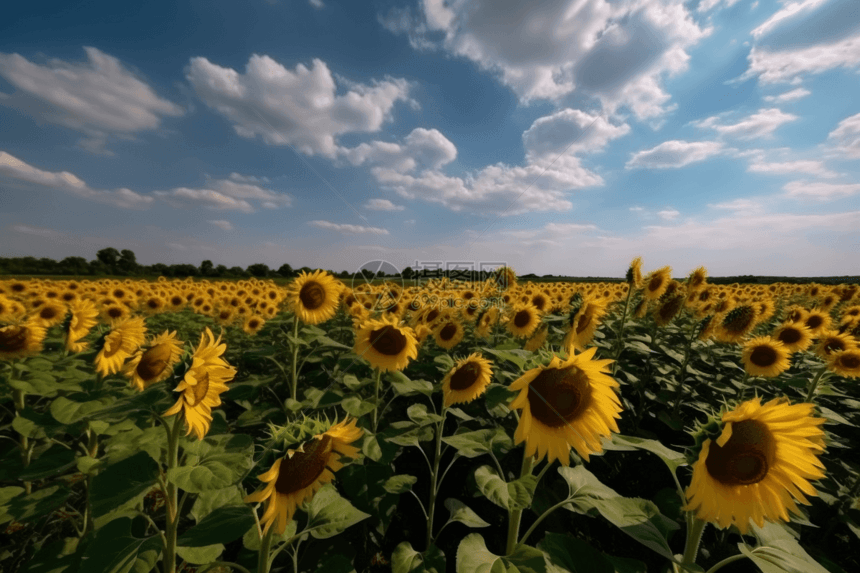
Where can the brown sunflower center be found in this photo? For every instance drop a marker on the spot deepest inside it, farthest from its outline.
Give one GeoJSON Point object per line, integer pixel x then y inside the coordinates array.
{"type": "Point", "coordinates": [431, 316]}
{"type": "Point", "coordinates": [558, 396]}
{"type": "Point", "coordinates": [764, 356]}
{"type": "Point", "coordinates": [253, 323]}
{"type": "Point", "coordinates": [789, 336]}
{"type": "Point", "coordinates": [113, 344]}
{"type": "Point", "coordinates": [655, 283]}
{"type": "Point", "coordinates": [176, 300]}
{"type": "Point", "coordinates": [312, 295]}
{"type": "Point", "coordinates": [303, 469]}
{"type": "Point", "coordinates": [465, 376]}
{"type": "Point", "coordinates": [114, 312]}
{"type": "Point", "coordinates": [832, 345]}
{"type": "Point", "coordinates": [200, 389]}
{"type": "Point", "coordinates": [153, 362]}
{"type": "Point", "coordinates": [48, 313]}
{"type": "Point", "coordinates": [522, 318]}
{"type": "Point", "coordinates": [583, 322]}
{"type": "Point", "coordinates": [153, 303]}
{"type": "Point", "coordinates": [388, 340]}
{"type": "Point", "coordinates": [448, 331]}
{"type": "Point", "coordinates": [746, 457]}
{"type": "Point", "coordinates": [13, 338]}
{"type": "Point", "coordinates": [850, 361]}
{"type": "Point", "coordinates": [814, 321]}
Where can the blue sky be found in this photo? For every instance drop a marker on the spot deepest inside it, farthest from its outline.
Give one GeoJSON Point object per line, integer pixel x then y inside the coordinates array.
{"type": "Point", "coordinates": [559, 137]}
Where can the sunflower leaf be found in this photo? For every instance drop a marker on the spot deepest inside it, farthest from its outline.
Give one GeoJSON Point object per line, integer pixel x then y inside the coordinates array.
{"type": "Point", "coordinates": [30, 507]}
{"type": "Point", "coordinates": [474, 444]}
{"type": "Point", "coordinates": [574, 555]}
{"type": "Point", "coordinates": [52, 462]}
{"type": "Point", "coordinates": [405, 559]}
{"type": "Point", "coordinates": [200, 555]}
{"type": "Point", "coordinates": [330, 514]}
{"type": "Point", "coordinates": [216, 462]}
{"type": "Point", "coordinates": [462, 513]}
{"type": "Point", "coordinates": [509, 495]}
{"type": "Point", "coordinates": [399, 484]}
{"type": "Point", "coordinates": [123, 481]}
{"type": "Point", "coordinates": [76, 407]}
{"type": "Point", "coordinates": [474, 557]}
{"type": "Point", "coordinates": [115, 550]}
{"type": "Point", "coordinates": [670, 457]}
{"type": "Point", "coordinates": [223, 525]}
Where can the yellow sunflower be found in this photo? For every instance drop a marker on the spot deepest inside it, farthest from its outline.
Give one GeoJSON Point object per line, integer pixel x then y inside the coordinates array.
{"type": "Point", "coordinates": [449, 334]}
{"type": "Point", "coordinates": [765, 455]}
{"type": "Point", "coordinates": [845, 363]}
{"type": "Point", "coordinates": [486, 322]}
{"type": "Point", "coordinates": [634, 273]}
{"type": "Point", "coordinates": [831, 341]}
{"type": "Point", "coordinates": [84, 316]}
{"type": "Point", "coordinates": [114, 311]}
{"type": "Point", "coordinates": [253, 324]}
{"type": "Point", "coordinates": [817, 321]}
{"type": "Point", "coordinates": [795, 335]}
{"type": "Point", "coordinates": [524, 320]}
{"type": "Point", "coordinates": [568, 403]}
{"type": "Point", "coordinates": [736, 324]}
{"type": "Point", "coordinates": [150, 366]}
{"type": "Point", "coordinates": [11, 310]}
{"type": "Point", "coordinates": [584, 324]}
{"type": "Point", "coordinates": [697, 279]}
{"type": "Point", "coordinates": [204, 381]}
{"type": "Point", "coordinates": [385, 344]}
{"type": "Point", "coordinates": [668, 308]}
{"type": "Point", "coordinates": [764, 356]}
{"type": "Point", "coordinates": [298, 476]}
{"type": "Point", "coordinates": [537, 339]}
{"type": "Point", "coordinates": [657, 282]}
{"type": "Point", "coordinates": [21, 340]}
{"type": "Point", "coordinates": [118, 344]}
{"type": "Point", "coordinates": [50, 313]}
{"type": "Point", "coordinates": [467, 380]}
{"type": "Point", "coordinates": [315, 297]}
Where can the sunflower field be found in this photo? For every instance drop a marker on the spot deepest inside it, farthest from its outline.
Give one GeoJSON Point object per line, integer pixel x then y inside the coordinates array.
{"type": "Point", "coordinates": [496, 427]}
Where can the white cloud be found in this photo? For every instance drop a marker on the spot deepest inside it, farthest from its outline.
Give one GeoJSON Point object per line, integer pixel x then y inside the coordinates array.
{"type": "Point", "coordinates": [382, 205]}
{"type": "Point", "coordinates": [351, 229]}
{"type": "Point", "coordinates": [789, 10]}
{"type": "Point", "coordinates": [616, 52]}
{"type": "Point", "coordinates": [820, 191]}
{"type": "Point", "coordinates": [846, 137]}
{"type": "Point", "coordinates": [422, 148]}
{"type": "Point", "coordinates": [99, 97]}
{"type": "Point", "coordinates": [792, 95]}
{"type": "Point", "coordinates": [38, 231]}
{"type": "Point", "coordinates": [800, 166]}
{"type": "Point", "coordinates": [739, 205]}
{"type": "Point", "coordinates": [637, 208]}
{"type": "Point", "coordinates": [570, 131]}
{"type": "Point", "coordinates": [300, 107]}
{"type": "Point", "coordinates": [14, 168]}
{"type": "Point", "coordinates": [706, 5]}
{"type": "Point", "coordinates": [674, 154]}
{"type": "Point", "coordinates": [786, 66]}
{"type": "Point", "coordinates": [760, 124]}
{"type": "Point", "coordinates": [668, 214]}
{"type": "Point", "coordinates": [236, 193]}
{"type": "Point", "coordinates": [318, 4]}
{"type": "Point", "coordinates": [223, 225]}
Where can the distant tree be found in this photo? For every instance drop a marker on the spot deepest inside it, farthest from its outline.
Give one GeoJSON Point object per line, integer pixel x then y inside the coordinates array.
{"type": "Point", "coordinates": [285, 270]}
{"type": "Point", "coordinates": [258, 270]}
{"type": "Point", "coordinates": [128, 262]}
{"type": "Point", "coordinates": [74, 266]}
{"type": "Point", "coordinates": [407, 273]}
{"type": "Point", "coordinates": [306, 270]}
{"type": "Point", "coordinates": [221, 271]}
{"type": "Point", "coordinates": [183, 270]}
{"type": "Point", "coordinates": [206, 268]}
{"type": "Point", "coordinates": [344, 274]}
{"type": "Point", "coordinates": [237, 272]}
{"type": "Point", "coordinates": [109, 257]}
{"type": "Point", "coordinates": [97, 267]}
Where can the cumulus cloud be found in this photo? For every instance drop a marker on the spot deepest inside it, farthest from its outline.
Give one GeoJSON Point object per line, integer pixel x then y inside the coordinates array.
{"type": "Point", "coordinates": [300, 108]}
{"type": "Point", "coordinates": [787, 66]}
{"type": "Point", "coordinates": [99, 97]}
{"type": "Point", "coordinates": [422, 149]}
{"type": "Point", "coordinates": [674, 154]}
{"type": "Point", "coordinates": [668, 214]}
{"type": "Point", "coordinates": [14, 168]}
{"type": "Point", "coordinates": [792, 95]}
{"type": "Point", "coordinates": [382, 205]}
{"type": "Point", "coordinates": [347, 229]}
{"type": "Point", "coordinates": [846, 137]}
{"type": "Point", "coordinates": [236, 193]}
{"type": "Point", "coordinates": [788, 11]}
{"type": "Point", "coordinates": [570, 131]}
{"type": "Point", "coordinates": [820, 191]}
{"type": "Point", "coordinates": [706, 5]}
{"type": "Point", "coordinates": [221, 224]}
{"type": "Point", "coordinates": [760, 124]}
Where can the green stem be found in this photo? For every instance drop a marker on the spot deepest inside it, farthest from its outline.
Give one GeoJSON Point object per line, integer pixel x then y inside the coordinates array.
{"type": "Point", "coordinates": [694, 537]}
{"type": "Point", "coordinates": [265, 546]}
{"type": "Point", "coordinates": [725, 562]}
{"type": "Point", "coordinates": [376, 403]}
{"type": "Point", "coordinates": [228, 564]}
{"type": "Point", "coordinates": [433, 475]}
{"type": "Point", "coordinates": [514, 516]}
{"type": "Point", "coordinates": [619, 339]}
{"type": "Point", "coordinates": [172, 497]}
{"type": "Point", "coordinates": [20, 398]}
{"type": "Point", "coordinates": [540, 519]}
{"type": "Point", "coordinates": [93, 452]}
{"type": "Point", "coordinates": [813, 386]}
{"type": "Point", "coordinates": [682, 375]}
{"type": "Point", "coordinates": [294, 388]}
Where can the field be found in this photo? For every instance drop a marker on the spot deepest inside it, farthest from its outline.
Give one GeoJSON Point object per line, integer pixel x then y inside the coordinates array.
{"type": "Point", "coordinates": [324, 426]}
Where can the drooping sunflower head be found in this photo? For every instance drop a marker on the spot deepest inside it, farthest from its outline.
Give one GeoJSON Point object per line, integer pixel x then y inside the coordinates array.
{"type": "Point", "coordinates": [83, 316]}
{"type": "Point", "coordinates": [486, 322]}
{"type": "Point", "coordinates": [314, 297]}
{"type": "Point", "coordinates": [448, 334]}
{"type": "Point", "coordinates": [537, 340]}
{"type": "Point", "coordinates": [505, 278]}
{"type": "Point", "coordinates": [19, 340]}
{"type": "Point", "coordinates": [796, 336]}
{"type": "Point", "coordinates": [568, 403]}
{"type": "Point", "coordinates": [634, 273]}
{"type": "Point", "coordinates": [736, 323]}
{"type": "Point", "coordinates": [385, 343]}
{"type": "Point", "coordinates": [697, 279]}
{"type": "Point", "coordinates": [467, 380]}
{"type": "Point", "coordinates": [584, 324]}
{"type": "Point", "coordinates": [119, 343]}
{"type": "Point", "coordinates": [155, 362]}
{"type": "Point", "coordinates": [656, 283]}
{"type": "Point", "coordinates": [764, 356]}
{"type": "Point", "coordinates": [668, 308]}
{"type": "Point", "coordinates": [523, 320]}
{"type": "Point", "coordinates": [764, 456]}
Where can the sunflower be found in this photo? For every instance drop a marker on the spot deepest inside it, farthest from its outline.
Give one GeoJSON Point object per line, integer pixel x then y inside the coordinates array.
{"type": "Point", "coordinates": [817, 321]}
{"type": "Point", "coordinates": [467, 380]}
{"type": "Point", "coordinates": [763, 456]}
{"type": "Point", "coordinates": [11, 310]}
{"type": "Point", "coordinates": [505, 278]}
{"type": "Point", "coordinates": [764, 356]}
{"type": "Point", "coordinates": [449, 334]}
{"type": "Point", "coordinates": [315, 297]}
{"type": "Point", "coordinates": [225, 316]}
{"type": "Point", "coordinates": [486, 322]}
{"type": "Point", "coordinates": [253, 324]}
{"type": "Point", "coordinates": [736, 324]}
{"type": "Point", "coordinates": [118, 344]}
{"type": "Point", "coordinates": [795, 313]}
{"type": "Point", "coordinates": [584, 324]}
{"type": "Point", "coordinates": [568, 403]}
{"type": "Point", "coordinates": [298, 476]}
{"type": "Point", "coordinates": [656, 283]}
{"type": "Point", "coordinates": [50, 313]}
{"type": "Point", "coordinates": [796, 336]}
{"type": "Point", "coordinates": [537, 339]}
{"type": "Point", "coordinates": [668, 308]}
{"type": "Point", "coordinates": [204, 381]}
{"type": "Point", "coordinates": [634, 273]}
{"type": "Point", "coordinates": [114, 311]}
{"type": "Point", "coordinates": [150, 366]}
{"type": "Point", "coordinates": [831, 341]}
{"type": "Point", "coordinates": [845, 363]}
{"type": "Point", "coordinates": [697, 279]}
{"type": "Point", "coordinates": [385, 344]}
{"type": "Point", "coordinates": [83, 317]}
{"type": "Point", "coordinates": [21, 340]}
{"type": "Point", "coordinates": [524, 320]}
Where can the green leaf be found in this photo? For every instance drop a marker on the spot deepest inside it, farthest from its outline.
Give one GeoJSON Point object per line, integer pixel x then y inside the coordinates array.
{"type": "Point", "coordinates": [404, 386]}
{"type": "Point", "coordinates": [462, 513]}
{"type": "Point", "coordinates": [574, 555]}
{"type": "Point", "coordinates": [511, 496]}
{"type": "Point", "coordinates": [412, 437]}
{"type": "Point", "coordinates": [53, 462]}
{"type": "Point", "coordinates": [473, 444]}
{"type": "Point", "coordinates": [200, 555]}
{"type": "Point", "coordinates": [214, 463]}
{"type": "Point", "coordinates": [335, 563]}
{"type": "Point", "coordinates": [670, 457]}
{"type": "Point", "coordinates": [351, 382]}
{"type": "Point", "coordinates": [526, 559]}
{"type": "Point", "coordinates": [399, 484]}
{"type": "Point", "coordinates": [518, 357]}
{"type": "Point", "coordinates": [41, 384]}
{"type": "Point", "coordinates": [37, 425]}
{"type": "Point", "coordinates": [779, 552]}
{"type": "Point", "coordinates": [418, 413]}
{"type": "Point", "coordinates": [252, 540]}
{"type": "Point", "coordinates": [223, 525]}
{"type": "Point", "coordinates": [27, 508]}
{"type": "Point", "coordinates": [125, 444]}
{"type": "Point", "coordinates": [460, 414]}
{"type": "Point", "coordinates": [209, 501]}
{"type": "Point", "coordinates": [405, 559]}
{"type": "Point", "coordinates": [474, 557]}
{"type": "Point", "coordinates": [357, 407]}
{"type": "Point", "coordinates": [7, 493]}
{"type": "Point", "coordinates": [330, 514]}
{"type": "Point", "coordinates": [115, 550]}
{"type": "Point", "coordinates": [122, 482]}
{"type": "Point", "coordinates": [76, 407]}
{"type": "Point", "coordinates": [497, 398]}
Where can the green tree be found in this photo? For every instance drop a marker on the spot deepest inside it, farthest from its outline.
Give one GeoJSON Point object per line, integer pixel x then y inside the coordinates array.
{"type": "Point", "coordinates": [108, 257]}
{"type": "Point", "coordinates": [285, 270]}
{"type": "Point", "coordinates": [259, 270]}
{"type": "Point", "coordinates": [206, 268]}
{"type": "Point", "coordinates": [128, 262]}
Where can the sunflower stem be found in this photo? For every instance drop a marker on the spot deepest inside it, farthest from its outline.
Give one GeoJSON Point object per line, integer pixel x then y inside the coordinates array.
{"type": "Point", "coordinates": [515, 515]}
{"type": "Point", "coordinates": [263, 557]}
{"type": "Point", "coordinates": [433, 475]}
{"type": "Point", "coordinates": [92, 451]}
{"type": "Point", "coordinates": [172, 497]}
{"type": "Point", "coordinates": [682, 375]}
{"type": "Point", "coordinates": [619, 339]}
{"type": "Point", "coordinates": [725, 562]}
{"type": "Point", "coordinates": [20, 399]}
{"type": "Point", "coordinates": [813, 386]}
{"type": "Point", "coordinates": [543, 516]}
{"type": "Point", "coordinates": [694, 536]}
{"type": "Point", "coordinates": [294, 387]}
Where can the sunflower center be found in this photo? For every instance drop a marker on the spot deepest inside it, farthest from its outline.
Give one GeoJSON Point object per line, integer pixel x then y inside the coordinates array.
{"type": "Point", "coordinates": [114, 312]}
{"type": "Point", "coordinates": [583, 322]}
{"type": "Point", "coordinates": [431, 316]}
{"type": "Point", "coordinates": [153, 362]}
{"type": "Point", "coordinates": [448, 332]}
{"type": "Point", "coordinates": [833, 345]}
{"type": "Point", "coordinates": [312, 295]}
{"type": "Point", "coordinates": [303, 469]}
{"type": "Point", "coordinates": [763, 356]}
{"type": "Point", "coordinates": [388, 340]}
{"type": "Point", "coordinates": [253, 323]}
{"type": "Point", "coordinates": [48, 313]}
{"type": "Point", "coordinates": [814, 321]}
{"type": "Point", "coordinates": [746, 457]}
{"type": "Point", "coordinates": [789, 336]}
{"type": "Point", "coordinates": [200, 389]}
{"type": "Point", "coordinates": [13, 338]}
{"type": "Point", "coordinates": [850, 362]}
{"type": "Point", "coordinates": [113, 344]}
{"type": "Point", "coordinates": [558, 396]}
{"type": "Point", "coordinates": [465, 376]}
{"type": "Point", "coordinates": [654, 284]}
{"type": "Point", "coordinates": [522, 318]}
